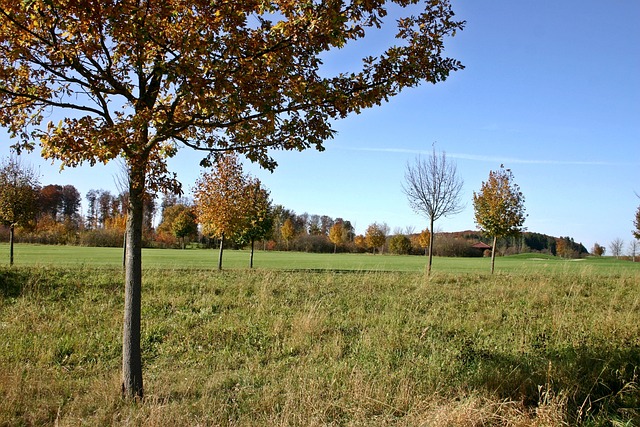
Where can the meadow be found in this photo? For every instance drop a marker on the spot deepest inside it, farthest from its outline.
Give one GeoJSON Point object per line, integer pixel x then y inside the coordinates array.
{"type": "Point", "coordinates": [332, 340]}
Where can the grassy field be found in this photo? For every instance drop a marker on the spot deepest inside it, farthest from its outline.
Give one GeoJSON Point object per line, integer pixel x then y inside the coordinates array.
{"type": "Point", "coordinates": [542, 343]}
{"type": "Point", "coordinates": [44, 255]}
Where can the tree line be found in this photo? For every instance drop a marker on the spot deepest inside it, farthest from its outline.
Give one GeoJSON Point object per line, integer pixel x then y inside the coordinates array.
{"type": "Point", "coordinates": [55, 217]}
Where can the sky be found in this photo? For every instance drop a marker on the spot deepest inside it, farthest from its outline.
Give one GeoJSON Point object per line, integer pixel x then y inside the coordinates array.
{"type": "Point", "coordinates": [550, 89]}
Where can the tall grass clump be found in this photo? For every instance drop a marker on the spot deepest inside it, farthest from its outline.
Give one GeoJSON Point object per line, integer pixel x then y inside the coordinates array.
{"type": "Point", "coordinates": [247, 348]}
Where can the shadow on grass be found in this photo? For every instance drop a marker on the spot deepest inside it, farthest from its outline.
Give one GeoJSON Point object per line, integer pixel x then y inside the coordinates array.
{"type": "Point", "coordinates": [599, 382]}
{"type": "Point", "coordinates": [12, 282]}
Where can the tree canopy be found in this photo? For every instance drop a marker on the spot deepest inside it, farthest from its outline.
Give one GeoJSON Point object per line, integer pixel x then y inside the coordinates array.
{"type": "Point", "coordinates": [19, 189]}
{"type": "Point", "coordinates": [499, 207]}
{"type": "Point", "coordinates": [139, 79]}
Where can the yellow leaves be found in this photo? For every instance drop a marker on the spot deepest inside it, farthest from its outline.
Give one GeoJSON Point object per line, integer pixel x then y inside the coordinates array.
{"type": "Point", "coordinates": [499, 206]}
{"type": "Point", "coordinates": [237, 75]}
{"type": "Point", "coordinates": [219, 197]}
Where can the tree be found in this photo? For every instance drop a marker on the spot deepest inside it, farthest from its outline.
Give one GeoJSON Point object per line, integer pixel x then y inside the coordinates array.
{"type": "Point", "coordinates": [135, 79]}
{"type": "Point", "coordinates": [50, 201]}
{"type": "Point", "coordinates": [258, 218]}
{"type": "Point", "coordinates": [220, 201]}
{"type": "Point", "coordinates": [433, 188]}
{"type": "Point", "coordinates": [598, 250]}
{"type": "Point", "coordinates": [337, 235]}
{"type": "Point", "coordinates": [399, 244]}
{"type": "Point", "coordinates": [616, 247]}
{"type": "Point", "coordinates": [563, 248]}
{"type": "Point", "coordinates": [18, 197]}
{"type": "Point", "coordinates": [71, 201]}
{"type": "Point", "coordinates": [424, 240]}
{"type": "Point", "coordinates": [633, 249]}
{"type": "Point", "coordinates": [636, 223]}
{"type": "Point", "coordinates": [376, 236]}
{"type": "Point", "coordinates": [499, 207]}
{"type": "Point", "coordinates": [185, 224]}
{"type": "Point", "coordinates": [287, 231]}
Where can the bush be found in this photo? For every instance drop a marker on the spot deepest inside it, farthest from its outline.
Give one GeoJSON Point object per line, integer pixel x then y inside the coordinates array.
{"type": "Point", "coordinates": [102, 238]}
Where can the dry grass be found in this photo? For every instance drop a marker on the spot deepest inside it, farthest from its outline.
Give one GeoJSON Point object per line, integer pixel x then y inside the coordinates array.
{"type": "Point", "coordinates": [323, 349]}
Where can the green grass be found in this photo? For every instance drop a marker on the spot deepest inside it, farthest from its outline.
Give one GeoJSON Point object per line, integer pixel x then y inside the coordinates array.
{"type": "Point", "coordinates": [310, 348]}
{"type": "Point", "coordinates": [43, 255]}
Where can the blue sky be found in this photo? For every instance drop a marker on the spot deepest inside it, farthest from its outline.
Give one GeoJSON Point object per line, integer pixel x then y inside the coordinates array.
{"type": "Point", "coordinates": [550, 89]}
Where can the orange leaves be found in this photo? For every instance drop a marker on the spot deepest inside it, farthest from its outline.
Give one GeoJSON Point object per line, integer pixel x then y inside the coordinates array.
{"type": "Point", "coordinates": [231, 203]}
{"type": "Point", "coordinates": [135, 79]}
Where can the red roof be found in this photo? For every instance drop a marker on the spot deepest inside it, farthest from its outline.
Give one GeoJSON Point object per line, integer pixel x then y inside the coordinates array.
{"type": "Point", "coordinates": [481, 245]}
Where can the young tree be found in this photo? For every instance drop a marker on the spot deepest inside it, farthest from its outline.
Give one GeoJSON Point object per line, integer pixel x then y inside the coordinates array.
{"type": "Point", "coordinates": [287, 231]}
{"type": "Point", "coordinates": [258, 218]}
{"type": "Point", "coordinates": [337, 235]}
{"type": "Point", "coordinates": [563, 249]}
{"type": "Point", "coordinates": [399, 244]}
{"type": "Point", "coordinates": [633, 249]}
{"type": "Point", "coordinates": [597, 250]}
{"type": "Point", "coordinates": [166, 230]}
{"type": "Point", "coordinates": [499, 207]}
{"type": "Point", "coordinates": [185, 224]}
{"type": "Point", "coordinates": [220, 201]}
{"type": "Point", "coordinates": [138, 78]}
{"type": "Point", "coordinates": [433, 188]}
{"type": "Point", "coordinates": [616, 247]}
{"type": "Point", "coordinates": [376, 236]}
{"type": "Point", "coordinates": [18, 197]}
{"type": "Point", "coordinates": [424, 240]}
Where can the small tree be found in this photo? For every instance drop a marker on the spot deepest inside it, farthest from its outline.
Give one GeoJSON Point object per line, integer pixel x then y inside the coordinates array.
{"type": "Point", "coordinates": [185, 224]}
{"type": "Point", "coordinates": [633, 249]}
{"type": "Point", "coordinates": [258, 218]}
{"type": "Point", "coordinates": [616, 247]}
{"type": "Point", "coordinates": [424, 240]}
{"type": "Point", "coordinates": [376, 236]}
{"type": "Point", "coordinates": [399, 244]}
{"type": "Point", "coordinates": [18, 197]}
{"type": "Point", "coordinates": [220, 201]}
{"type": "Point", "coordinates": [433, 188]}
{"type": "Point", "coordinates": [499, 207]}
{"type": "Point", "coordinates": [598, 250]}
{"type": "Point", "coordinates": [337, 235]}
{"type": "Point", "coordinates": [287, 231]}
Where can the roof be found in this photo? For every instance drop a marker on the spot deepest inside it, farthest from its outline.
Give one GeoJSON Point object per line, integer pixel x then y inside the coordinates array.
{"type": "Point", "coordinates": [481, 245]}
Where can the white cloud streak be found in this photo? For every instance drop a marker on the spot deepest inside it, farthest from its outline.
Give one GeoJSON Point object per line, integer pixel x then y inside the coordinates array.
{"type": "Point", "coordinates": [494, 159]}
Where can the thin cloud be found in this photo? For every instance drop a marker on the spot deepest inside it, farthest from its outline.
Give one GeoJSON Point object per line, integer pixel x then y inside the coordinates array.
{"type": "Point", "coordinates": [494, 159]}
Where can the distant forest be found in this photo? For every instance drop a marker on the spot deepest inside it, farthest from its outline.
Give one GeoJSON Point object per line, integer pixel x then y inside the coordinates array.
{"type": "Point", "coordinates": [60, 220]}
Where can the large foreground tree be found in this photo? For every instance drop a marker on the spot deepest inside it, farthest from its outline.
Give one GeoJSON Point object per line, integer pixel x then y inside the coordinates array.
{"type": "Point", "coordinates": [136, 79]}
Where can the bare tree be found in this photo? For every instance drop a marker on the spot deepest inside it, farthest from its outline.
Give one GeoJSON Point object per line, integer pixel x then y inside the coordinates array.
{"type": "Point", "coordinates": [634, 245]}
{"type": "Point", "coordinates": [433, 188]}
{"type": "Point", "coordinates": [616, 246]}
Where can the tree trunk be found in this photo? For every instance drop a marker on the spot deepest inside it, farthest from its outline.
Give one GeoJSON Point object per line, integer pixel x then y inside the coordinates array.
{"type": "Point", "coordinates": [431, 240]}
{"type": "Point", "coordinates": [251, 257]}
{"type": "Point", "coordinates": [131, 355]}
{"type": "Point", "coordinates": [220, 254]}
{"type": "Point", "coordinates": [11, 233]}
{"type": "Point", "coordinates": [493, 253]}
